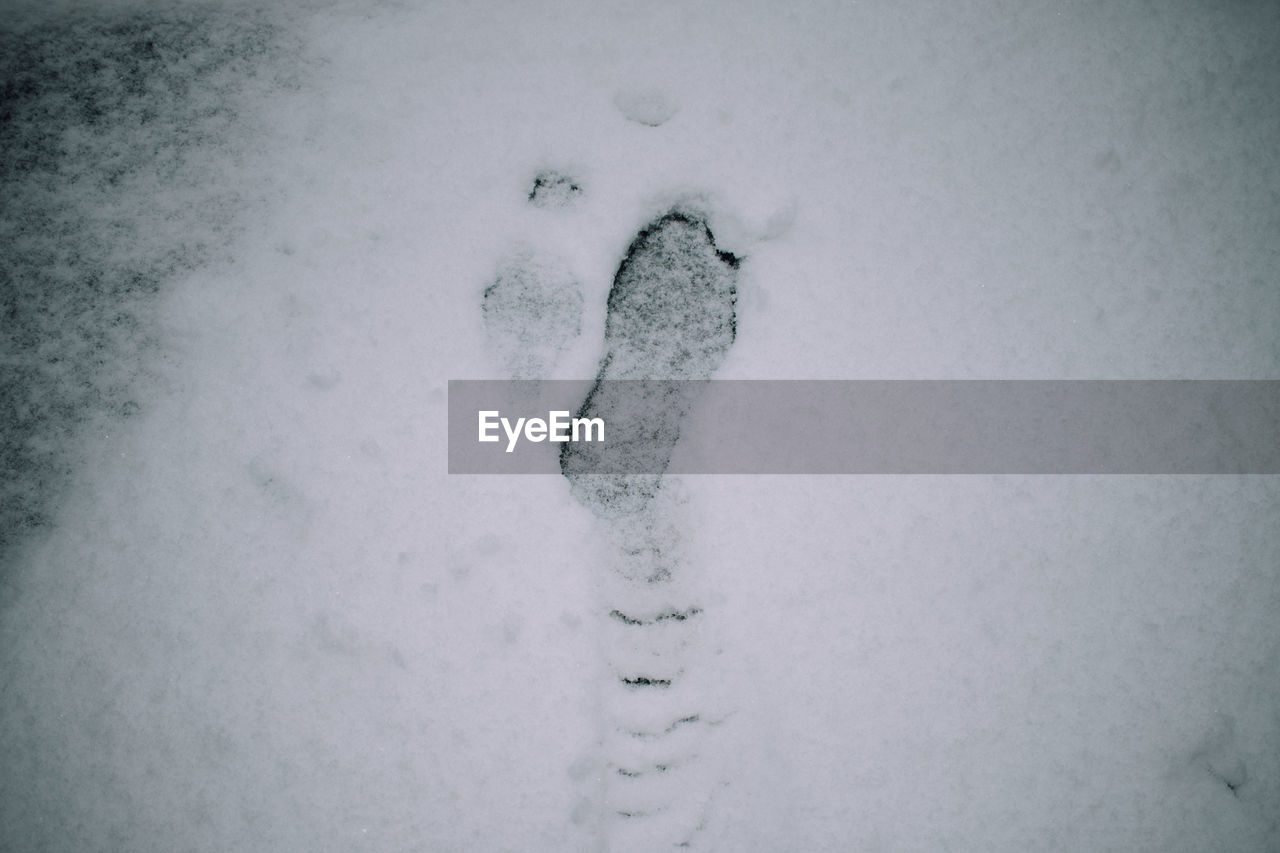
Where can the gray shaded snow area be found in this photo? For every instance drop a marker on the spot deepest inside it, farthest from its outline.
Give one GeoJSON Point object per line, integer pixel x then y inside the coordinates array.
{"type": "Point", "coordinates": [243, 250]}
{"type": "Point", "coordinates": [121, 134]}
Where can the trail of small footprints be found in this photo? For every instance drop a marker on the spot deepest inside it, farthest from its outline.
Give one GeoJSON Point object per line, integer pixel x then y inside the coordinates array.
{"type": "Point", "coordinates": [671, 315]}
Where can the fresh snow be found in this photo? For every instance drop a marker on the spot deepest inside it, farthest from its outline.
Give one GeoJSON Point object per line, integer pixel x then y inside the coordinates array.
{"type": "Point", "coordinates": [261, 615]}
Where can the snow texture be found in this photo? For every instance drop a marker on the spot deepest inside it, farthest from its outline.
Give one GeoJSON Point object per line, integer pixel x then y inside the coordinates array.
{"type": "Point", "coordinates": [243, 607]}
{"type": "Point", "coordinates": [670, 315]}
{"type": "Point", "coordinates": [650, 107]}
{"type": "Point", "coordinates": [532, 310]}
{"type": "Point", "coordinates": [552, 189]}
{"type": "Point", "coordinates": [117, 134]}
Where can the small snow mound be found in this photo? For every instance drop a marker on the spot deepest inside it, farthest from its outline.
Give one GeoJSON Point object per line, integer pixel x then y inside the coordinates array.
{"type": "Point", "coordinates": [651, 107]}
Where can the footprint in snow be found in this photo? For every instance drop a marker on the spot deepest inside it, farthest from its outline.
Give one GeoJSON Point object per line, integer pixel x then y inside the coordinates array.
{"type": "Point", "coordinates": [671, 314]}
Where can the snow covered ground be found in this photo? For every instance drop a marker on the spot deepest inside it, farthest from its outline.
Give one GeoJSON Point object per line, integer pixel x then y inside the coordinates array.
{"type": "Point", "coordinates": [250, 610]}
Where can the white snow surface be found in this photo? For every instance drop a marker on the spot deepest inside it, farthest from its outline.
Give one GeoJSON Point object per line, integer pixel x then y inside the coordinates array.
{"type": "Point", "coordinates": [267, 619]}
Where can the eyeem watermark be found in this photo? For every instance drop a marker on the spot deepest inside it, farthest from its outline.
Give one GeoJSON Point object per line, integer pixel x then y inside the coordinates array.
{"type": "Point", "coordinates": [558, 427]}
{"type": "Point", "coordinates": [655, 427]}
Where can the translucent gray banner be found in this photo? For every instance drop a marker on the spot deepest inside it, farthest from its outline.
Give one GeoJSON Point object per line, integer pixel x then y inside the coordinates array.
{"type": "Point", "coordinates": [865, 427]}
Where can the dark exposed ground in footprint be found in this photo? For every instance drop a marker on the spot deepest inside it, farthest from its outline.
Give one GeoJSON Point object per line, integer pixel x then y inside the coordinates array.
{"type": "Point", "coordinates": [671, 315]}
{"type": "Point", "coordinates": [117, 129]}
